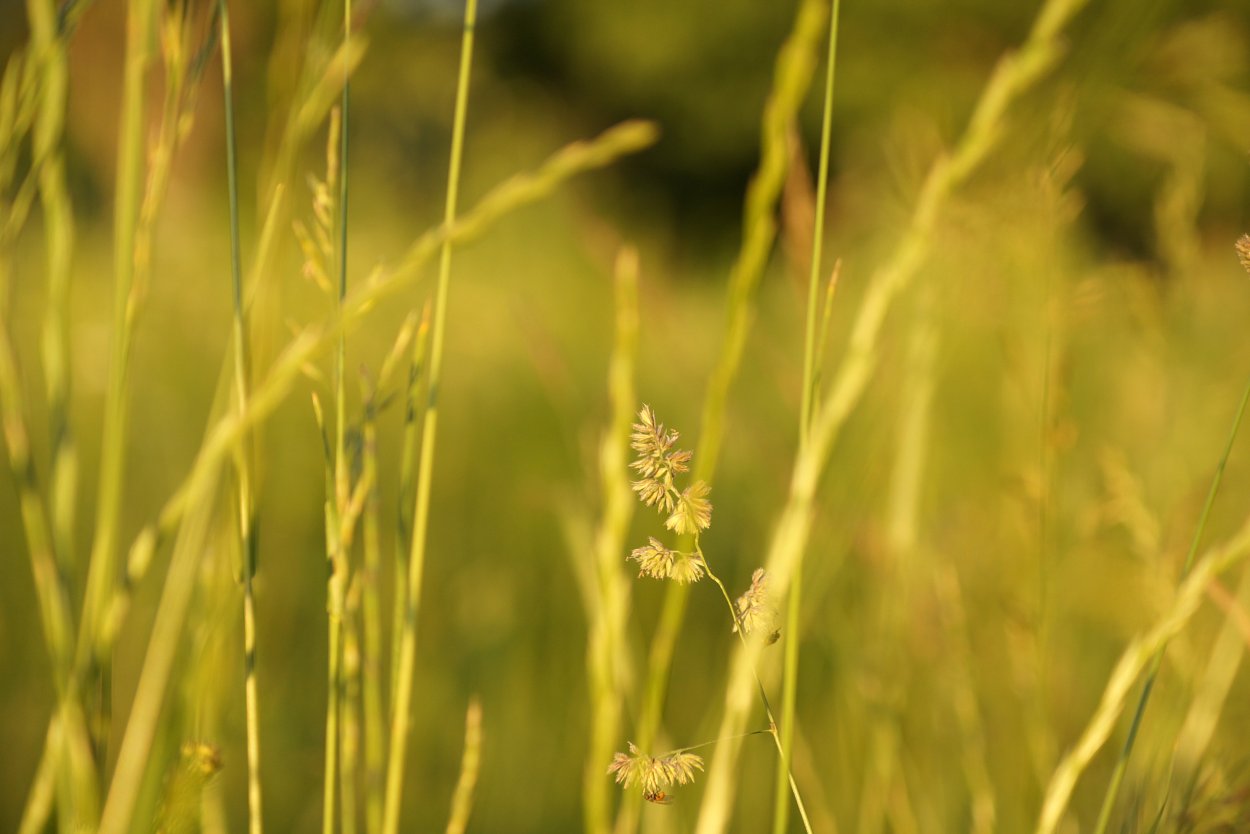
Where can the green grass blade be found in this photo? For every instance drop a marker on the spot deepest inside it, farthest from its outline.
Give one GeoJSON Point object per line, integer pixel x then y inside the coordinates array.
{"type": "Point", "coordinates": [425, 467]}
{"type": "Point", "coordinates": [606, 643]}
{"type": "Point", "coordinates": [243, 453]}
{"type": "Point", "coordinates": [790, 668]}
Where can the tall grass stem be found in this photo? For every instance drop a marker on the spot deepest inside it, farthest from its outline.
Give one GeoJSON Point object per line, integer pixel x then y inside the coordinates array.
{"type": "Point", "coordinates": [790, 667]}
{"type": "Point", "coordinates": [49, 47]}
{"type": "Point", "coordinates": [244, 454]}
{"type": "Point", "coordinates": [339, 557]}
{"type": "Point", "coordinates": [429, 434]}
{"type": "Point", "coordinates": [470, 763]}
{"type": "Point", "coordinates": [791, 79]}
{"type": "Point", "coordinates": [1014, 75]}
{"type": "Point", "coordinates": [102, 568]}
{"type": "Point", "coordinates": [606, 645]}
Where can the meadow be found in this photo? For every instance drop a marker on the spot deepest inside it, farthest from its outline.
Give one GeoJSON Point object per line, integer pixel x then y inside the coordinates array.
{"type": "Point", "coordinates": [654, 417]}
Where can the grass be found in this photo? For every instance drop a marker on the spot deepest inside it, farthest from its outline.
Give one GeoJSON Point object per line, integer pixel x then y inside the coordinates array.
{"type": "Point", "coordinates": [945, 620]}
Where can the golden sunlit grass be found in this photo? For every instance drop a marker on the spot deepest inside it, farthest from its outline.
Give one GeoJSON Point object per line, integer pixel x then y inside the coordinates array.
{"type": "Point", "coordinates": [975, 518]}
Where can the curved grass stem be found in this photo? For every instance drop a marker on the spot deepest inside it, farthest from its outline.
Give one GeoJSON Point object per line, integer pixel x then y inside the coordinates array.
{"type": "Point", "coordinates": [740, 630]}
{"type": "Point", "coordinates": [1014, 75]}
{"type": "Point", "coordinates": [1121, 764]}
{"type": "Point", "coordinates": [1136, 657]}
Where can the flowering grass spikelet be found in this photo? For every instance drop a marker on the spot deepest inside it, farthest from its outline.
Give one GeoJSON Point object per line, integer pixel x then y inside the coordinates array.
{"type": "Point", "coordinates": [693, 512]}
{"type": "Point", "coordinates": [753, 610]}
{"type": "Point", "coordinates": [686, 569]}
{"type": "Point", "coordinates": [1243, 252]}
{"type": "Point", "coordinates": [654, 773]}
{"type": "Point", "coordinates": [657, 561]}
{"type": "Point", "coordinates": [654, 560]}
{"type": "Point", "coordinates": [657, 461]}
{"type": "Point", "coordinates": [689, 511]}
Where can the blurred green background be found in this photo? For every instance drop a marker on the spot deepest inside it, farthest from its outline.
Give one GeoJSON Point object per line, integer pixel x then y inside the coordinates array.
{"type": "Point", "coordinates": [1088, 322]}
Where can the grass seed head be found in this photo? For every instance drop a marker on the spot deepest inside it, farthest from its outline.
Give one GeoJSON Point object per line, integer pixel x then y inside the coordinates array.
{"type": "Point", "coordinates": [1243, 251]}
{"type": "Point", "coordinates": [657, 462]}
{"type": "Point", "coordinates": [657, 561]}
{"type": "Point", "coordinates": [754, 612]}
{"type": "Point", "coordinates": [693, 512]}
{"type": "Point", "coordinates": [654, 773]}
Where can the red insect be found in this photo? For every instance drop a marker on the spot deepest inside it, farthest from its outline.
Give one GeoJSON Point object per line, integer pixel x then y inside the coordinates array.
{"type": "Point", "coordinates": [658, 797]}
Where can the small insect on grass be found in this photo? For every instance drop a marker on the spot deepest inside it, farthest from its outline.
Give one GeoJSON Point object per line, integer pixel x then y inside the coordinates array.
{"type": "Point", "coordinates": [654, 774]}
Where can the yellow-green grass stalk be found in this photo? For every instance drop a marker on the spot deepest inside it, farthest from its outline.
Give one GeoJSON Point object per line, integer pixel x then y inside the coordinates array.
{"type": "Point", "coordinates": [740, 629]}
{"type": "Point", "coordinates": [1014, 75]}
{"type": "Point", "coordinates": [225, 432]}
{"type": "Point", "coordinates": [270, 391]}
{"type": "Point", "coordinates": [287, 369]}
{"type": "Point", "coordinates": [1121, 764]}
{"type": "Point", "coordinates": [183, 63]}
{"type": "Point", "coordinates": [812, 331]}
{"type": "Point", "coordinates": [244, 452]}
{"type": "Point", "coordinates": [69, 13]}
{"type": "Point", "coordinates": [511, 195]}
{"type": "Point", "coordinates": [1136, 658]}
{"type": "Point", "coordinates": [413, 410]}
{"type": "Point", "coordinates": [135, 752]}
{"type": "Point", "coordinates": [304, 83]}
{"type": "Point", "coordinates": [402, 705]}
{"type": "Point", "coordinates": [317, 87]}
{"type": "Point", "coordinates": [831, 290]}
{"type": "Point", "coordinates": [371, 649]}
{"type": "Point", "coordinates": [333, 681]}
{"type": "Point", "coordinates": [470, 762]}
{"type": "Point", "coordinates": [102, 569]}
{"type": "Point", "coordinates": [48, 45]}
{"type": "Point", "coordinates": [790, 667]}
{"type": "Point", "coordinates": [19, 103]}
{"type": "Point", "coordinates": [43, 788]}
{"type": "Point", "coordinates": [606, 654]}
{"type": "Point", "coordinates": [369, 579]}
{"type": "Point", "coordinates": [51, 593]}
{"type": "Point", "coordinates": [71, 766]}
{"type": "Point", "coordinates": [349, 769]}
{"type": "Point", "coordinates": [339, 555]}
{"type": "Point", "coordinates": [791, 78]}
{"type": "Point", "coordinates": [335, 600]}
{"type": "Point", "coordinates": [151, 538]}
{"type": "Point", "coordinates": [79, 798]}
{"type": "Point", "coordinates": [789, 539]}
{"type": "Point", "coordinates": [144, 546]}
{"type": "Point", "coordinates": [1212, 687]}
{"type": "Point", "coordinates": [342, 521]}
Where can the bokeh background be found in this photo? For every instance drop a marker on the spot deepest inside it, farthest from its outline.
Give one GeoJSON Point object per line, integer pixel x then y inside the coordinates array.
{"type": "Point", "coordinates": [1083, 335]}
